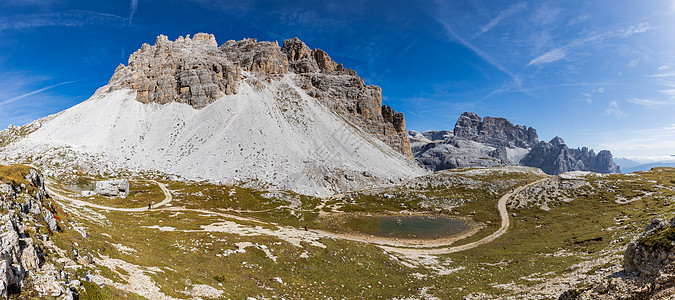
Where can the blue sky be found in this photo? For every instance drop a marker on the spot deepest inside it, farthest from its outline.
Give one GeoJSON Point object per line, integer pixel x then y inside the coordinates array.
{"type": "Point", "coordinates": [597, 73]}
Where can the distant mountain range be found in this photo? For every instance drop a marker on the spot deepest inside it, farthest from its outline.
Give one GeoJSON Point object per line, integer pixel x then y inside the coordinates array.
{"type": "Point", "coordinates": [628, 165]}
{"type": "Point", "coordinates": [491, 142]}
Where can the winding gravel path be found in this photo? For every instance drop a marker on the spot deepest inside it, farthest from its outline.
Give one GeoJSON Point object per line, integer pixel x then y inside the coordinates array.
{"type": "Point", "coordinates": [501, 206]}
{"type": "Point", "coordinates": [167, 198]}
{"type": "Point", "coordinates": [391, 246]}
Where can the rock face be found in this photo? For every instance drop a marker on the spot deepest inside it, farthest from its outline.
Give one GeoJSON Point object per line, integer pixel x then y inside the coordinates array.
{"type": "Point", "coordinates": [198, 72]}
{"type": "Point", "coordinates": [113, 188]}
{"type": "Point", "coordinates": [555, 157]}
{"type": "Point", "coordinates": [346, 94]}
{"type": "Point", "coordinates": [455, 152]}
{"type": "Point", "coordinates": [648, 258]}
{"type": "Point", "coordinates": [431, 135]}
{"type": "Point", "coordinates": [474, 142]}
{"type": "Point", "coordinates": [491, 142]}
{"type": "Point", "coordinates": [191, 71]}
{"type": "Point", "coordinates": [495, 132]}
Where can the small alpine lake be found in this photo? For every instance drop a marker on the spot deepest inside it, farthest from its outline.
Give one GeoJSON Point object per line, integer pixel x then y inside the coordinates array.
{"type": "Point", "coordinates": [405, 226]}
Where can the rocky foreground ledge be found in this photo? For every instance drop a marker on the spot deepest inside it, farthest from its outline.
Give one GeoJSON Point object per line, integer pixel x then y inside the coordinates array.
{"type": "Point", "coordinates": [649, 268]}
{"type": "Point", "coordinates": [30, 264]}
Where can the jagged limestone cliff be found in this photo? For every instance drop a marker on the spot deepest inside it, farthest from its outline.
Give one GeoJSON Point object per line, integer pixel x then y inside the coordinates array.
{"type": "Point", "coordinates": [491, 142]}
{"type": "Point", "coordinates": [198, 72]}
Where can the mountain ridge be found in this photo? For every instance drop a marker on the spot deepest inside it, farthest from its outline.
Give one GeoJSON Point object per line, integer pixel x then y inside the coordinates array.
{"type": "Point", "coordinates": [266, 128]}
{"type": "Point", "coordinates": [493, 142]}
{"type": "Point", "coordinates": [197, 71]}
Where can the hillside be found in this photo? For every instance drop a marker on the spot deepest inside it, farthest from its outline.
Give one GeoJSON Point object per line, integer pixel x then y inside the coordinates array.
{"type": "Point", "coordinates": [559, 235]}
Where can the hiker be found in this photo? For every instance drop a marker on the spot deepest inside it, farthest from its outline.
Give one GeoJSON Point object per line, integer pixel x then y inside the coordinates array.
{"type": "Point", "coordinates": [306, 228]}
{"type": "Point", "coordinates": [149, 205]}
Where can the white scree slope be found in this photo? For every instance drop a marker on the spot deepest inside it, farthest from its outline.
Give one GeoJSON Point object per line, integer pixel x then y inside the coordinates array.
{"type": "Point", "coordinates": [271, 135]}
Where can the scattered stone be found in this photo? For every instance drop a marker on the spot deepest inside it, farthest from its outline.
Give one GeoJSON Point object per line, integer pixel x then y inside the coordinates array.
{"type": "Point", "coordinates": [649, 271]}
{"type": "Point", "coordinates": [51, 221]}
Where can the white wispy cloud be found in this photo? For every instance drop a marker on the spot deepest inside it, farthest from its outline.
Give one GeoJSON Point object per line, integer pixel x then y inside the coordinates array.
{"type": "Point", "coordinates": [642, 144]}
{"type": "Point", "coordinates": [132, 10]}
{"type": "Point", "coordinates": [589, 98]}
{"type": "Point", "coordinates": [562, 52]}
{"type": "Point", "coordinates": [516, 80]}
{"type": "Point", "coordinates": [648, 102]}
{"type": "Point", "coordinates": [669, 92]}
{"type": "Point", "coordinates": [614, 110]}
{"type": "Point", "coordinates": [73, 18]}
{"type": "Point", "coordinates": [662, 75]}
{"type": "Point", "coordinates": [512, 10]}
{"type": "Point", "coordinates": [549, 57]}
{"type": "Point", "coordinates": [24, 95]}
{"type": "Point", "coordinates": [546, 15]}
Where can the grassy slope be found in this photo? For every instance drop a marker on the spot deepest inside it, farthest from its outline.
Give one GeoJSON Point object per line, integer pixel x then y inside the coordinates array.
{"type": "Point", "coordinates": [586, 227]}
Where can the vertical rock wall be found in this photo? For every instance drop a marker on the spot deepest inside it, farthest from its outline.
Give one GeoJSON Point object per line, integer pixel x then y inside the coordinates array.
{"type": "Point", "coordinates": [198, 72]}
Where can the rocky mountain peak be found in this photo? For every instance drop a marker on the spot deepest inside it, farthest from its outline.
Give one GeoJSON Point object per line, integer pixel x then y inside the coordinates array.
{"type": "Point", "coordinates": [558, 141]}
{"type": "Point", "coordinates": [198, 72]}
{"type": "Point", "coordinates": [555, 157]}
{"type": "Point", "coordinates": [302, 59]}
{"type": "Point", "coordinates": [496, 132]}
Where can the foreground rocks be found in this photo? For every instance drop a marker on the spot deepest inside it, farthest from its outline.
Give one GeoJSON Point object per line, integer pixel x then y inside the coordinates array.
{"type": "Point", "coordinates": [26, 220]}
{"type": "Point", "coordinates": [197, 71]}
{"type": "Point", "coordinates": [649, 268]}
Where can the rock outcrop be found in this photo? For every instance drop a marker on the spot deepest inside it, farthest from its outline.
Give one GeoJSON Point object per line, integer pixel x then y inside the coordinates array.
{"type": "Point", "coordinates": [198, 72]}
{"type": "Point", "coordinates": [113, 188]}
{"type": "Point", "coordinates": [649, 268]}
{"type": "Point", "coordinates": [495, 132]}
{"type": "Point", "coordinates": [192, 71]}
{"type": "Point", "coordinates": [25, 209]}
{"type": "Point", "coordinates": [346, 94]}
{"type": "Point", "coordinates": [555, 157]}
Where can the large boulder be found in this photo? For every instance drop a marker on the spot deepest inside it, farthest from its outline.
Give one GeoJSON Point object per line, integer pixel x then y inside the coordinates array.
{"type": "Point", "coordinates": [113, 188]}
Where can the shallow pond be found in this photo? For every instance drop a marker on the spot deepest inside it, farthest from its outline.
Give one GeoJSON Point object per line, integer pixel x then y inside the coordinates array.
{"type": "Point", "coordinates": [80, 187]}
{"type": "Point", "coordinates": [409, 227]}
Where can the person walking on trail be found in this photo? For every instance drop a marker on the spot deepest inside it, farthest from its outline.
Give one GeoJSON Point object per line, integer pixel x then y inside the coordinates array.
{"type": "Point", "coordinates": [149, 205]}
{"type": "Point", "coordinates": [306, 228]}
